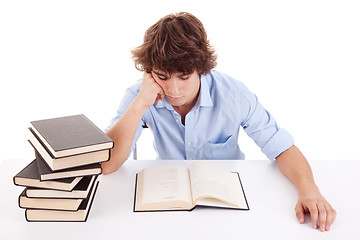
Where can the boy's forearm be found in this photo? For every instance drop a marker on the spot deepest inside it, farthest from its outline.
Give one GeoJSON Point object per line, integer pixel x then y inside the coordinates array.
{"type": "Point", "coordinates": [295, 167]}
{"type": "Point", "coordinates": [123, 133]}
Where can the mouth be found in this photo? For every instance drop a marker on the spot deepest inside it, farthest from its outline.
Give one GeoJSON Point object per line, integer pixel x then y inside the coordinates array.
{"type": "Point", "coordinates": [175, 98]}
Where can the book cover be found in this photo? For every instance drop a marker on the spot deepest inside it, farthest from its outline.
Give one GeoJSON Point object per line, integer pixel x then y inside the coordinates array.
{"type": "Point", "coordinates": [81, 190]}
{"type": "Point", "coordinates": [65, 204]}
{"type": "Point", "coordinates": [81, 215]}
{"type": "Point", "coordinates": [47, 174]}
{"type": "Point", "coordinates": [71, 135]}
{"type": "Point", "coordinates": [61, 163]}
{"type": "Point", "coordinates": [30, 177]}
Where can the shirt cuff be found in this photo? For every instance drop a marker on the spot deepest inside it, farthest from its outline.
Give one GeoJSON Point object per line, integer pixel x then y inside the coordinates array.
{"type": "Point", "coordinates": [280, 142]}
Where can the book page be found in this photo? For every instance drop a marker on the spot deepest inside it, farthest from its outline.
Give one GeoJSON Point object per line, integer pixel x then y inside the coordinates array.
{"type": "Point", "coordinates": [166, 187]}
{"type": "Point", "coordinates": [239, 195]}
{"type": "Point", "coordinates": [211, 181]}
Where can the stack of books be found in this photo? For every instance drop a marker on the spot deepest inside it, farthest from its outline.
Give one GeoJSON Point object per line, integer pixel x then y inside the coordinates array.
{"type": "Point", "coordinates": [61, 181]}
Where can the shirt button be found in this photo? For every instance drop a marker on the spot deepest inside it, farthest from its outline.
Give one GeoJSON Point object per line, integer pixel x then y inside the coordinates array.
{"type": "Point", "coordinates": [189, 143]}
{"type": "Point", "coordinates": [177, 120]}
{"type": "Point", "coordinates": [190, 159]}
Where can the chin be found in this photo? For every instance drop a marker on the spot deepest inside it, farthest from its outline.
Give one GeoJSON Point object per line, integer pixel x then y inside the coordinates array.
{"type": "Point", "coordinates": [176, 104]}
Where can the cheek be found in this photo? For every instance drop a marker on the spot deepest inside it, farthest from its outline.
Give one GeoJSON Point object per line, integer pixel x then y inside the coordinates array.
{"type": "Point", "coordinates": [190, 88]}
{"type": "Point", "coordinates": [193, 86]}
{"type": "Point", "coordinates": [162, 84]}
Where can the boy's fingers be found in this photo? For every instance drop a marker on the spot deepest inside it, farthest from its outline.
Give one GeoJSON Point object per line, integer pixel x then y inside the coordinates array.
{"type": "Point", "coordinates": [329, 217]}
{"type": "Point", "coordinates": [314, 215]}
{"type": "Point", "coordinates": [322, 217]}
{"type": "Point", "coordinates": [299, 212]}
{"type": "Point", "coordinates": [334, 213]}
{"type": "Point", "coordinates": [162, 94]}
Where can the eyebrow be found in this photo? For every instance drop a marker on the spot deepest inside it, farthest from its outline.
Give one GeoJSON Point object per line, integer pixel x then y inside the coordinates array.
{"type": "Point", "coordinates": [184, 74]}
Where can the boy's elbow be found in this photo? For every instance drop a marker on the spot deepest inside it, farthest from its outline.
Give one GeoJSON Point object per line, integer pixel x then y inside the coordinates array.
{"type": "Point", "coordinates": [110, 167]}
{"type": "Point", "coordinates": [107, 168]}
{"type": "Point", "coordinates": [106, 171]}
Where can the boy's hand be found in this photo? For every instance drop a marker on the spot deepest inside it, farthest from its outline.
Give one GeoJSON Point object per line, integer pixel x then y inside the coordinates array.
{"type": "Point", "coordinates": [150, 91]}
{"type": "Point", "coordinates": [295, 167]}
{"type": "Point", "coordinates": [320, 210]}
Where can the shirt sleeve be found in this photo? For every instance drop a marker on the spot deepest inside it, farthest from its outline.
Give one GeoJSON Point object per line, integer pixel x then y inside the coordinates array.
{"type": "Point", "coordinates": [127, 99]}
{"type": "Point", "coordinates": [259, 125]}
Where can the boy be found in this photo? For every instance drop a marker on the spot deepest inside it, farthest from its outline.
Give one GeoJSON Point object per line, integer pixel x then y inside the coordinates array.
{"type": "Point", "coordinates": [180, 99]}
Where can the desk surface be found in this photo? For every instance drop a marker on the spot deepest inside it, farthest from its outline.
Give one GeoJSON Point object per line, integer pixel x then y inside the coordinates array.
{"type": "Point", "coordinates": [270, 195]}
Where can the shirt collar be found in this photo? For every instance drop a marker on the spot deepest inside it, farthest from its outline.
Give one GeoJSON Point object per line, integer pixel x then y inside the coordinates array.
{"type": "Point", "coordinates": [164, 103]}
{"type": "Point", "coordinates": [204, 99]}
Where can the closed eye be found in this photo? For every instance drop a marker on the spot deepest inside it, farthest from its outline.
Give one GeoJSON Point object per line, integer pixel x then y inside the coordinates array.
{"type": "Point", "coordinates": [161, 76]}
{"type": "Point", "coordinates": [184, 77]}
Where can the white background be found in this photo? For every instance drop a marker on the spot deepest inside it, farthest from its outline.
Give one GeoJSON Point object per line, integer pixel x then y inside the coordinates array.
{"type": "Point", "coordinates": [301, 58]}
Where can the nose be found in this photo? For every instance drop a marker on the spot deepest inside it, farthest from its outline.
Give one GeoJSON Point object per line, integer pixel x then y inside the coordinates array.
{"type": "Point", "coordinates": [172, 87]}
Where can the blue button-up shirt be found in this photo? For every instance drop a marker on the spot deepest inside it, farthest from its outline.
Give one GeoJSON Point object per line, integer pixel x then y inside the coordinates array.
{"type": "Point", "coordinates": [212, 126]}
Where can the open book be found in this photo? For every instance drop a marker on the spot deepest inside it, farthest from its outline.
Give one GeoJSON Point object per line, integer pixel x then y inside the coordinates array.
{"type": "Point", "coordinates": [167, 188]}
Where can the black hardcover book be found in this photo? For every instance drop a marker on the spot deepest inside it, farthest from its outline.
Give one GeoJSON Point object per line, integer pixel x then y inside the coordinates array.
{"type": "Point", "coordinates": [47, 174]}
{"type": "Point", "coordinates": [81, 190]}
{"type": "Point", "coordinates": [61, 163]}
{"type": "Point", "coordinates": [30, 177]}
{"type": "Point", "coordinates": [81, 215]}
{"type": "Point", "coordinates": [65, 204]}
{"type": "Point", "coordinates": [71, 135]}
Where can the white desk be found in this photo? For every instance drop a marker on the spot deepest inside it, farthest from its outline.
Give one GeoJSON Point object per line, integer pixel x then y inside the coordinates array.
{"type": "Point", "coordinates": [270, 195]}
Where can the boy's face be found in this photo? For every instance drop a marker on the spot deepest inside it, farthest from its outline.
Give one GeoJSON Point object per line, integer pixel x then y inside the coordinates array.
{"type": "Point", "coordinates": [180, 90]}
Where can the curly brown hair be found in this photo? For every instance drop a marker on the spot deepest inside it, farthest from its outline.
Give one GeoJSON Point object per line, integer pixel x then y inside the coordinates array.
{"type": "Point", "coordinates": [176, 43]}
